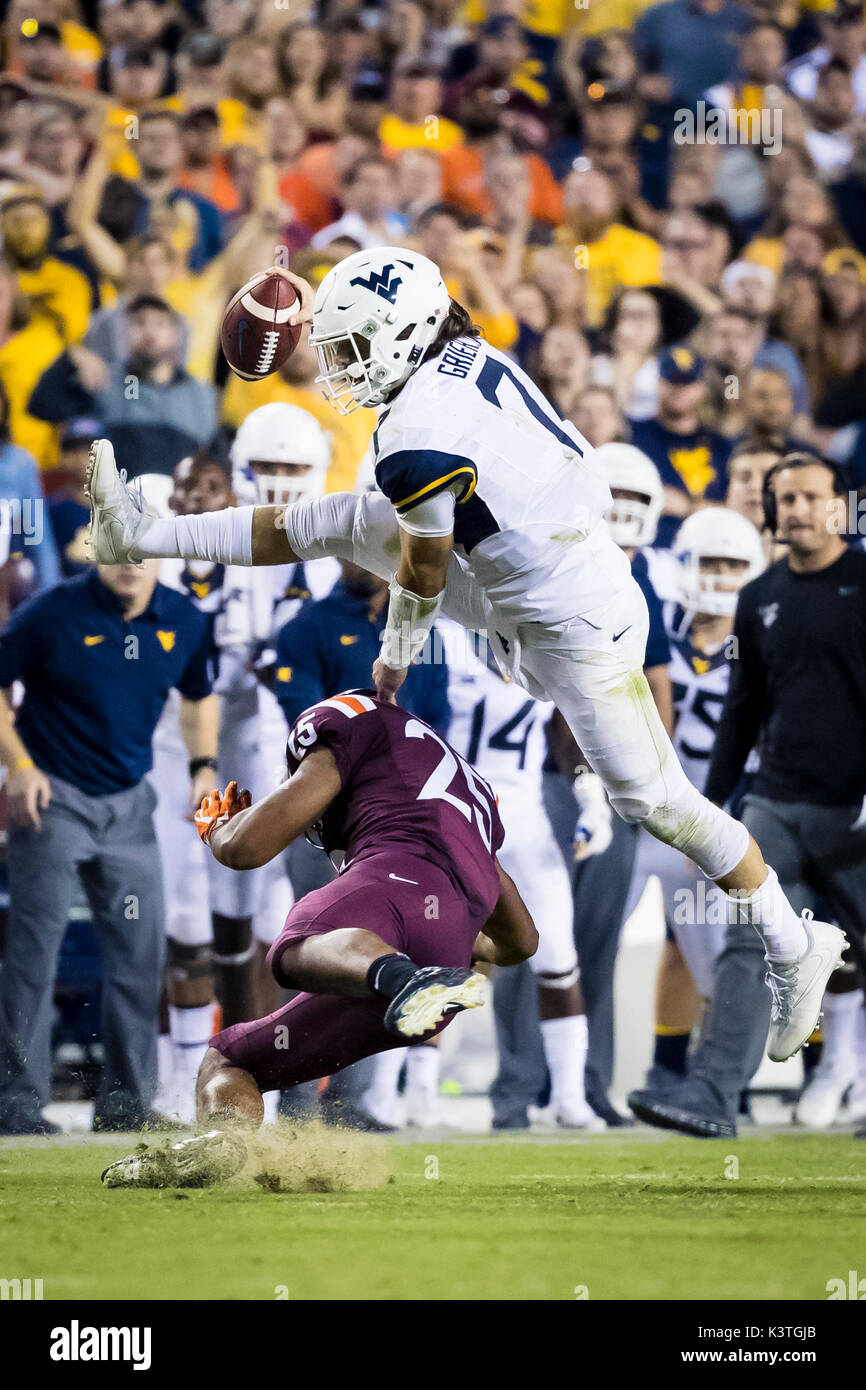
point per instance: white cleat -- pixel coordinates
(119, 514)
(821, 1101)
(579, 1115)
(198, 1162)
(798, 987)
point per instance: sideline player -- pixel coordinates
(383, 954)
(492, 491)
(717, 552)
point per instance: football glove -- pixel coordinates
(594, 831)
(217, 808)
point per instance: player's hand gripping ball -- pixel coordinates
(217, 808)
(262, 324)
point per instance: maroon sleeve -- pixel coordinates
(341, 724)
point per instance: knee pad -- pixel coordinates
(186, 963)
(562, 980)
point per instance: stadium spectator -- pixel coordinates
(160, 154)
(154, 412)
(687, 47)
(610, 253)
(28, 346)
(413, 119)
(81, 807)
(690, 457)
(56, 291)
(370, 219)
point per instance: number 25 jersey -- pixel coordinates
(528, 490)
(403, 787)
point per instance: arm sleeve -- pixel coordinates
(742, 715)
(195, 683)
(299, 679)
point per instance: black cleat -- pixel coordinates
(431, 994)
(606, 1111)
(664, 1113)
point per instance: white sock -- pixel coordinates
(565, 1043)
(225, 537)
(839, 1030)
(380, 1097)
(191, 1031)
(164, 1060)
(774, 919)
(422, 1084)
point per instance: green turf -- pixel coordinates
(638, 1216)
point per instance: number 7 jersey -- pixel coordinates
(527, 486)
(402, 787)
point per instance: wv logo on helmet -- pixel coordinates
(380, 282)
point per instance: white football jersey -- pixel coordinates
(700, 684)
(527, 486)
(495, 726)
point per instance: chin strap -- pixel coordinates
(410, 619)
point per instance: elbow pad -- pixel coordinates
(410, 619)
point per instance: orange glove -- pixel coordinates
(218, 808)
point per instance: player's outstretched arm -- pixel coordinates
(509, 935)
(245, 836)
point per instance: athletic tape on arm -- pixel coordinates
(410, 619)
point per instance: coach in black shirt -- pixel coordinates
(797, 695)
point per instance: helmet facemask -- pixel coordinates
(632, 518)
(277, 488)
(708, 591)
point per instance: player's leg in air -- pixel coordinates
(383, 955)
(558, 592)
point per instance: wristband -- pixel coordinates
(21, 763)
(196, 765)
(410, 619)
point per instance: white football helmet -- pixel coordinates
(374, 316)
(716, 533)
(280, 434)
(156, 489)
(633, 521)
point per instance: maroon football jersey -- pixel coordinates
(404, 786)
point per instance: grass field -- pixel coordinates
(637, 1216)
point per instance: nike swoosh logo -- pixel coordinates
(93, 641)
(348, 641)
(404, 880)
(617, 635)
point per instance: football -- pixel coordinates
(256, 335)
